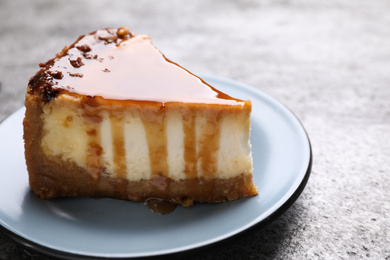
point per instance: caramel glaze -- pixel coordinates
(114, 71)
(91, 120)
(190, 155)
(118, 139)
(104, 64)
(155, 129)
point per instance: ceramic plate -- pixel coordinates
(111, 228)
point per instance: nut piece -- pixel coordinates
(76, 63)
(122, 31)
(84, 48)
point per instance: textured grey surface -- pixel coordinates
(328, 61)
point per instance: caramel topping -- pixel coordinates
(209, 145)
(118, 141)
(190, 155)
(116, 65)
(122, 32)
(154, 123)
(92, 122)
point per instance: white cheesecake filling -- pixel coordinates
(65, 135)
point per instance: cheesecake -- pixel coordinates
(111, 117)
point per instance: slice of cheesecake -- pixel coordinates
(110, 116)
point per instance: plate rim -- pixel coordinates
(257, 224)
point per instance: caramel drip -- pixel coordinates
(118, 142)
(155, 129)
(209, 145)
(94, 145)
(92, 122)
(190, 155)
(93, 159)
(160, 206)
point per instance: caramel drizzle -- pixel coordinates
(94, 146)
(155, 129)
(190, 156)
(119, 151)
(209, 145)
(198, 163)
(92, 122)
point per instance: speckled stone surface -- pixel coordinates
(328, 61)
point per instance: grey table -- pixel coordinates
(328, 61)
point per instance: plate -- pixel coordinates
(86, 227)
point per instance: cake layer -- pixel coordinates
(176, 142)
(54, 175)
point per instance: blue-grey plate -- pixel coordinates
(86, 227)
